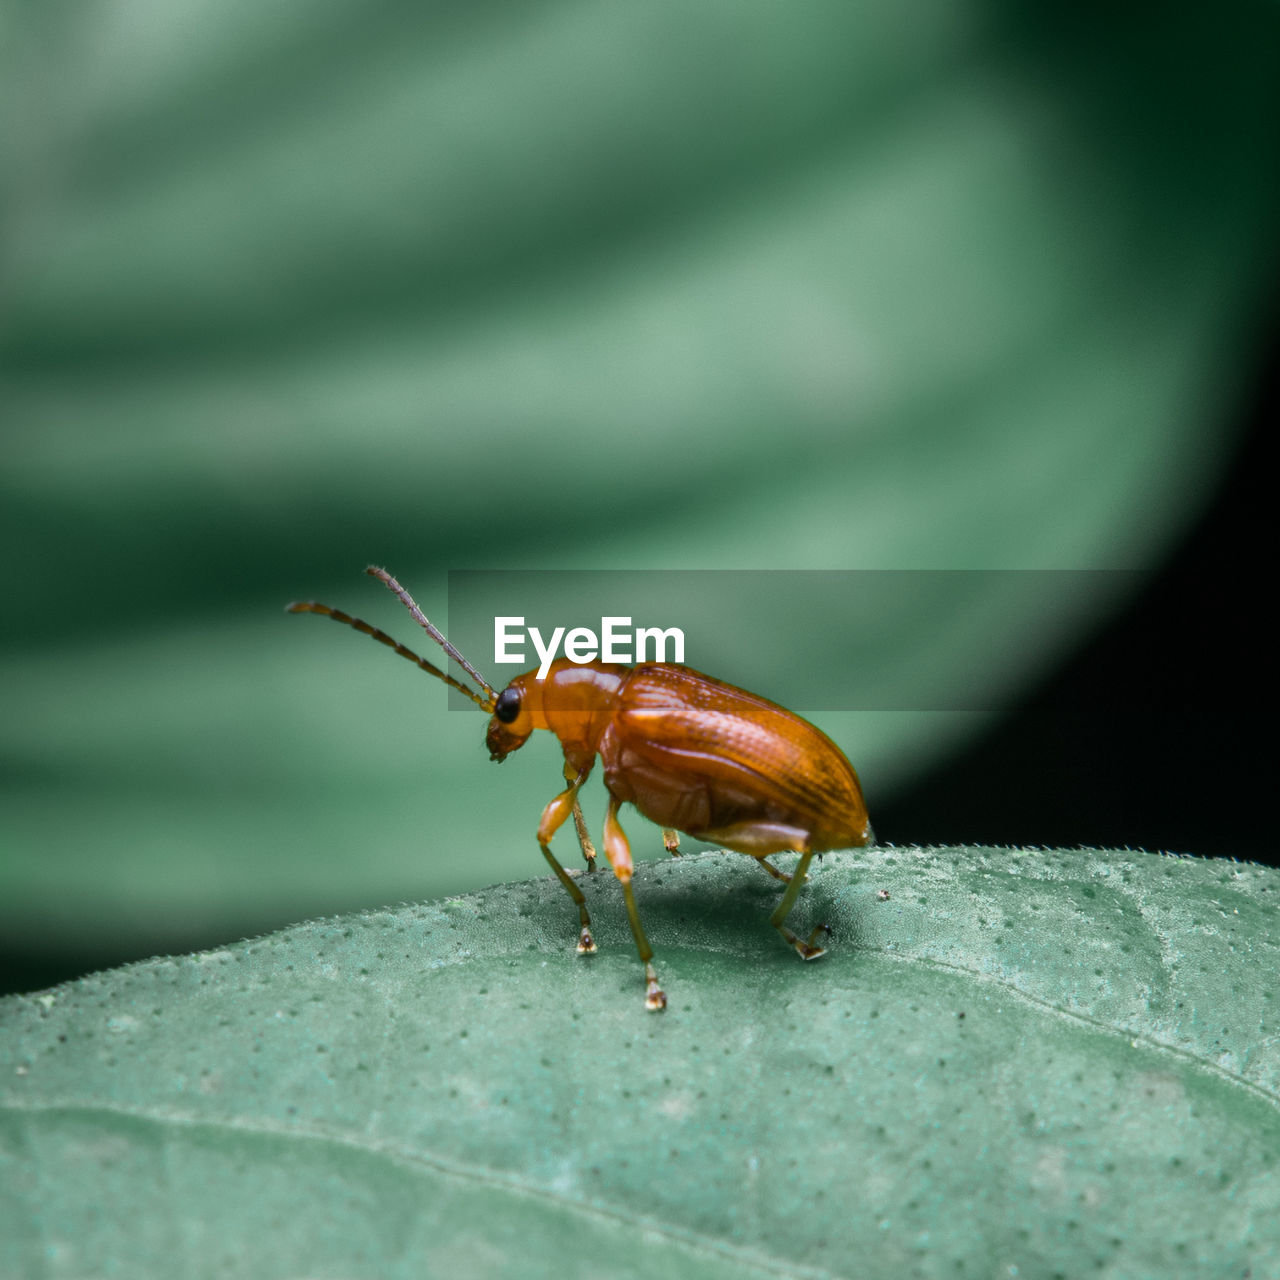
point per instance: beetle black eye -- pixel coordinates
(508, 705)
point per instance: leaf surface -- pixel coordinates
(1052, 1060)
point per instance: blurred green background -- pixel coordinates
(288, 289)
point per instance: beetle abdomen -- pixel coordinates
(707, 758)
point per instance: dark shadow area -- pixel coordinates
(1159, 733)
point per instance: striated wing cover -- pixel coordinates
(734, 755)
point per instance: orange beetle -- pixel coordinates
(693, 754)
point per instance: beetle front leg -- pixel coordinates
(618, 851)
(671, 841)
(806, 950)
(553, 816)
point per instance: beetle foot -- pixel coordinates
(808, 950)
(586, 943)
(654, 996)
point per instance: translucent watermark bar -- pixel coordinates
(838, 640)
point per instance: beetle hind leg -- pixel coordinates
(584, 836)
(773, 871)
(575, 778)
(806, 950)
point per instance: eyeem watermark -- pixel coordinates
(614, 643)
(810, 639)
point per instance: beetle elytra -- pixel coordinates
(691, 753)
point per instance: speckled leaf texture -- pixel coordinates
(1010, 1062)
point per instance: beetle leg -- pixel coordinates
(553, 817)
(572, 776)
(618, 851)
(805, 950)
(584, 836)
(773, 871)
(671, 841)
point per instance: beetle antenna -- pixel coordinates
(314, 606)
(433, 631)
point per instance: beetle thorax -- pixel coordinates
(576, 702)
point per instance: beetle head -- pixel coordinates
(512, 720)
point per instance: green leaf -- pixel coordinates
(1056, 1061)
